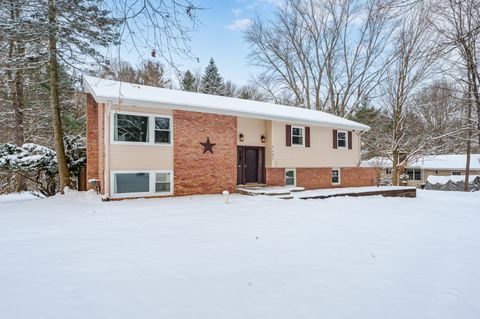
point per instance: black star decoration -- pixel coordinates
(208, 147)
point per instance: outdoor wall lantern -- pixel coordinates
(263, 138)
(240, 137)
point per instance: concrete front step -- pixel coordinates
(269, 191)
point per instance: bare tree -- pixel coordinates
(412, 64)
(329, 55)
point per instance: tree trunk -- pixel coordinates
(395, 168)
(469, 133)
(16, 51)
(63, 172)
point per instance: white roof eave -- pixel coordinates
(302, 118)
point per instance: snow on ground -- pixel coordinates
(16, 197)
(73, 256)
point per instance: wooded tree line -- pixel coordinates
(409, 69)
(44, 47)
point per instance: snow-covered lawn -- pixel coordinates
(258, 257)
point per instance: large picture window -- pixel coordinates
(297, 135)
(138, 128)
(130, 128)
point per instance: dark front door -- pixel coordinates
(250, 165)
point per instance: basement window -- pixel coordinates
(335, 176)
(162, 182)
(456, 173)
(141, 184)
(131, 183)
(290, 177)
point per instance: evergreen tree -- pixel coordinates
(212, 82)
(189, 82)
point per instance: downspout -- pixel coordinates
(106, 140)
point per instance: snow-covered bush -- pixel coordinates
(38, 164)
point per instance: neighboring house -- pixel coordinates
(145, 141)
(431, 165)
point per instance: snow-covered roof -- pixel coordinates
(432, 179)
(437, 162)
(105, 91)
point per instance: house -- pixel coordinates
(431, 165)
(145, 142)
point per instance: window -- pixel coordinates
(162, 130)
(131, 183)
(456, 173)
(290, 177)
(162, 182)
(342, 139)
(388, 171)
(130, 128)
(335, 176)
(297, 135)
(414, 174)
(136, 184)
(140, 128)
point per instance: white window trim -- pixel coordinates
(414, 170)
(151, 184)
(303, 136)
(346, 140)
(151, 128)
(294, 176)
(339, 176)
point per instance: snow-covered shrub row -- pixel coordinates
(38, 164)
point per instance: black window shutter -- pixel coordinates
(334, 138)
(307, 136)
(349, 140)
(288, 135)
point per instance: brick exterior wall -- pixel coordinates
(359, 176)
(275, 176)
(196, 172)
(95, 144)
(312, 178)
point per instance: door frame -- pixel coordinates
(241, 164)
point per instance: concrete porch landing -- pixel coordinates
(268, 190)
(290, 192)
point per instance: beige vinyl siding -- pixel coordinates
(140, 157)
(269, 145)
(320, 153)
(252, 130)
